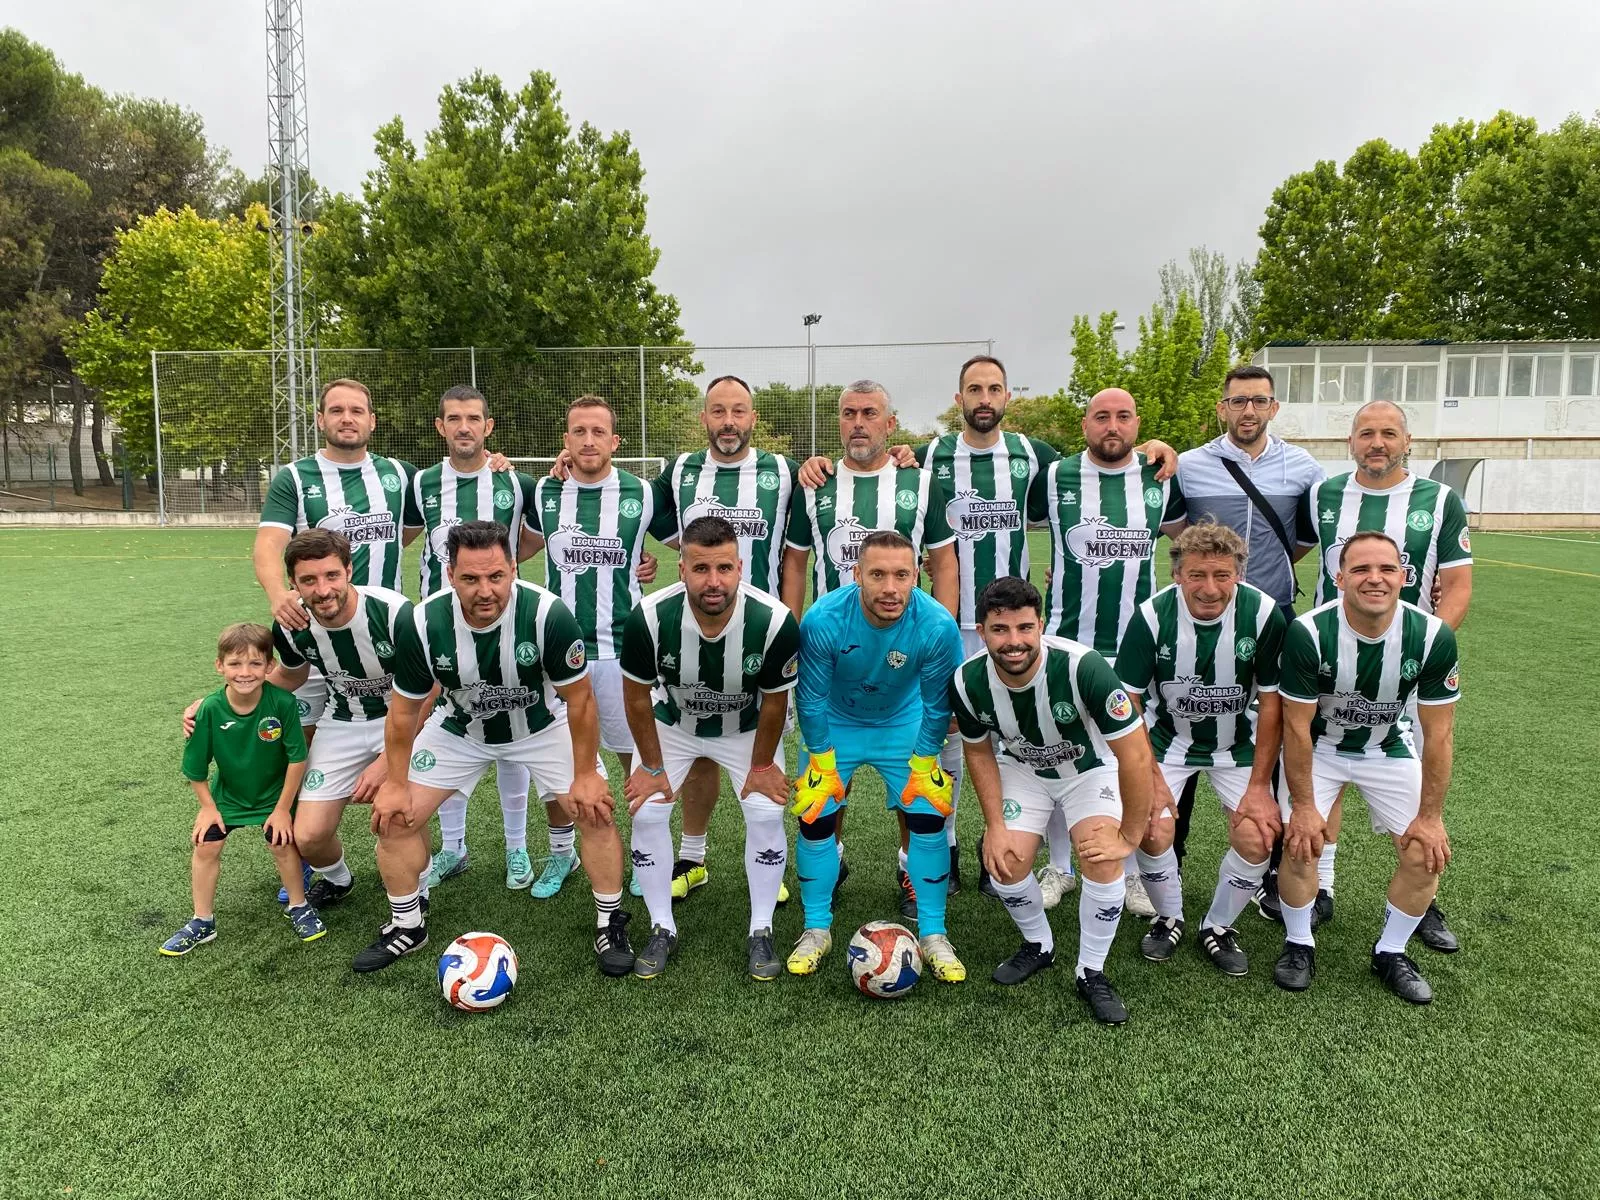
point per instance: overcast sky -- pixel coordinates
(912, 171)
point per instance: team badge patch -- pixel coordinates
(383, 649)
(575, 654)
(1019, 468)
(752, 664)
(905, 501)
(391, 483)
(895, 659)
(767, 481)
(630, 508)
(304, 707)
(1152, 497)
(1410, 668)
(1452, 681)
(423, 760)
(1465, 542)
(312, 781)
(526, 654)
(502, 498)
(269, 729)
(792, 667)
(1245, 649)
(1420, 520)
(1011, 810)
(1062, 711)
(1118, 706)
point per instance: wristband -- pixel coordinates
(652, 770)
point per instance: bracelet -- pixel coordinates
(652, 770)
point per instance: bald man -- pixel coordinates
(1104, 509)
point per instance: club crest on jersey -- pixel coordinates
(383, 649)
(1118, 706)
(574, 551)
(630, 508)
(1098, 543)
(1452, 681)
(1420, 520)
(1019, 468)
(423, 760)
(313, 780)
(502, 498)
(391, 483)
(1410, 669)
(1464, 542)
(752, 664)
(575, 654)
(1152, 497)
(844, 543)
(1245, 649)
(1011, 809)
(971, 517)
(303, 705)
(526, 654)
(895, 659)
(906, 501)
(1063, 711)
(748, 523)
(792, 667)
(269, 729)
(767, 481)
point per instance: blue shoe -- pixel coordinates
(305, 882)
(308, 927)
(635, 888)
(556, 869)
(446, 864)
(195, 933)
(519, 870)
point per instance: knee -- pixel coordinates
(924, 823)
(823, 828)
(1413, 859)
(1248, 842)
(652, 815)
(208, 851)
(758, 810)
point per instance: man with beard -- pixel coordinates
(1073, 745)
(1104, 509)
(722, 657)
(1350, 669)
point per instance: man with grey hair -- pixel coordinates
(866, 492)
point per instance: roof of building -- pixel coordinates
(1290, 343)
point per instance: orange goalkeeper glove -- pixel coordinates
(928, 782)
(817, 784)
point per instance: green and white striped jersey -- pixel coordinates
(499, 682)
(1200, 679)
(1058, 725)
(834, 519)
(711, 686)
(365, 501)
(1425, 518)
(988, 505)
(593, 540)
(441, 496)
(753, 495)
(356, 659)
(1361, 685)
(1103, 529)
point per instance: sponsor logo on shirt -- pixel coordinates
(1192, 700)
(1355, 711)
(354, 687)
(227, 725)
(844, 543)
(269, 729)
(748, 523)
(360, 528)
(702, 701)
(574, 551)
(971, 517)
(487, 699)
(1098, 543)
(1043, 758)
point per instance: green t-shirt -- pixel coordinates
(440, 496)
(252, 752)
(834, 519)
(365, 501)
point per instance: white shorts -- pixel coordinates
(1392, 787)
(679, 749)
(1228, 782)
(1029, 800)
(339, 753)
(455, 764)
(312, 698)
(605, 675)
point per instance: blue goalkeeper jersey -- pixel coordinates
(855, 674)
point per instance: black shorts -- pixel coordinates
(214, 834)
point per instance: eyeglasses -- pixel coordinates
(1240, 403)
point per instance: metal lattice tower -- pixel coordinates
(288, 175)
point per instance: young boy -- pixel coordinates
(251, 731)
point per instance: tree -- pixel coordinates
(1206, 280)
(1098, 361)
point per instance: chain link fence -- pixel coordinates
(217, 428)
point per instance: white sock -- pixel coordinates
(902, 854)
(950, 763)
(1099, 914)
(336, 873)
(1325, 867)
(766, 853)
(652, 861)
(1025, 904)
(453, 823)
(692, 846)
(1237, 881)
(1297, 922)
(1397, 930)
(422, 882)
(840, 844)
(1058, 835)
(1160, 875)
(563, 839)
(605, 903)
(405, 911)
(513, 807)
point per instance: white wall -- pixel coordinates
(1541, 485)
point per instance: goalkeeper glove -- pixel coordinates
(817, 784)
(928, 782)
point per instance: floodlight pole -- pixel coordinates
(811, 319)
(287, 166)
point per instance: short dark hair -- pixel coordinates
(354, 385)
(708, 532)
(477, 535)
(1369, 535)
(464, 391)
(590, 400)
(242, 636)
(1248, 371)
(975, 360)
(311, 544)
(730, 379)
(884, 539)
(1009, 593)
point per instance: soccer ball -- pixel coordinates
(477, 971)
(885, 960)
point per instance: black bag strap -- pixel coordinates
(1267, 511)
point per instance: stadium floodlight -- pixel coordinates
(811, 319)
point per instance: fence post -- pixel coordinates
(50, 468)
(472, 365)
(644, 436)
(127, 478)
(161, 475)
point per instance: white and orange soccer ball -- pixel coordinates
(885, 960)
(477, 971)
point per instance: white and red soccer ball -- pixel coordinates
(477, 971)
(885, 960)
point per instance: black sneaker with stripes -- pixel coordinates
(1221, 946)
(611, 946)
(394, 943)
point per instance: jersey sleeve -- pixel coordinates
(294, 734)
(1305, 517)
(282, 506)
(1440, 679)
(638, 655)
(528, 487)
(815, 676)
(936, 529)
(922, 454)
(1177, 507)
(972, 730)
(1297, 675)
(798, 533)
(411, 515)
(564, 659)
(940, 662)
(1455, 543)
(1044, 452)
(413, 676)
(664, 525)
(1269, 651)
(288, 653)
(1039, 498)
(197, 750)
(780, 668)
(1108, 705)
(1136, 656)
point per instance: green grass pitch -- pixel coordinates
(258, 1067)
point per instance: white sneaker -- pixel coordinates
(1137, 901)
(1056, 883)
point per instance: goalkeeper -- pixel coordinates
(876, 660)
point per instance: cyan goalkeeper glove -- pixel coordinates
(928, 782)
(817, 784)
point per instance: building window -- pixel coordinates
(1582, 383)
(1386, 383)
(1519, 375)
(1458, 376)
(1533, 375)
(1547, 381)
(1342, 385)
(1486, 376)
(1422, 384)
(1297, 386)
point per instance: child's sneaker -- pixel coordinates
(308, 926)
(305, 882)
(196, 933)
